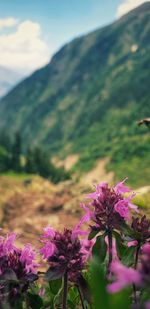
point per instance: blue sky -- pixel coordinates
(32, 30)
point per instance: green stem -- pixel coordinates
(65, 290)
(81, 297)
(135, 267)
(110, 256)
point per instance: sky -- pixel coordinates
(31, 31)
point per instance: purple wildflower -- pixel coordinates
(109, 208)
(132, 243)
(147, 305)
(144, 267)
(125, 276)
(17, 265)
(121, 188)
(142, 228)
(66, 253)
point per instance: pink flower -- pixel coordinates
(132, 243)
(124, 276)
(121, 188)
(48, 232)
(110, 207)
(86, 248)
(77, 231)
(142, 226)
(19, 262)
(122, 208)
(7, 245)
(147, 305)
(98, 192)
(27, 257)
(146, 249)
(48, 249)
(65, 252)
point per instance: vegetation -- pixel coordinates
(35, 161)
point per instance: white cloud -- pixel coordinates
(24, 49)
(8, 22)
(128, 5)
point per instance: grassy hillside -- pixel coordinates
(88, 98)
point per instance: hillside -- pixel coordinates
(88, 98)
(8, 79)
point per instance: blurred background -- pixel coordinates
(74, 106)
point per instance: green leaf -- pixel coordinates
(55, 286)
(71, 304)
(128, 231)
(18, 303)
(35, 301)
(129, 256)
(98, 286)
(100, 248)
(9, 276)
(125, 254)
(73, 294)
(120, 300)
(53, 274)
(84, 289)
(92, 234)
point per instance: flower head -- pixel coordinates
(144, 267)
(17, 265)
(65, 252)
(109, 207)
(124, 276)
(142, 227)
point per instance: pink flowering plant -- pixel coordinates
(18, 270)
(67, 256)
(103, 262)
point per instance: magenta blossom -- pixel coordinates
(17, 265)
(142, 228)
(144, 266)
(140, 231)
(109, 207)
(147, 305)
(121, 187)
(124, 277)
(65, 253)
(132, 243)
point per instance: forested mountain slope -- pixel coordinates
(88, 98)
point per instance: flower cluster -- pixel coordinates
(109, 207)
(144, 266)
(142, 227)
(124, 276)
(18, 267)
(65, 253)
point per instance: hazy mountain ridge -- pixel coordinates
(8, 79)
(88, 98)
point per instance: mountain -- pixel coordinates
(88, 99)
(8, 79)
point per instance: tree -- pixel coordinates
(16, 153)
(38, 162)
